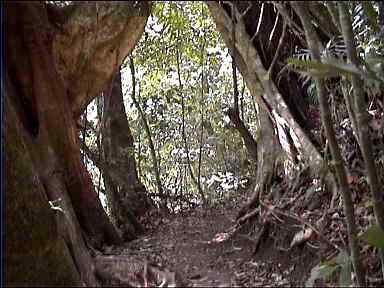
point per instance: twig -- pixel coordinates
(341, 238)
(311, 245)
(260, 236)
(304, 223)
(283, 11)
(274, 214)
(242, 15)
(259, 22)
(247, 216)
(278, 49)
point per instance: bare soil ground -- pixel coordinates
(192, 245)
(201, 248)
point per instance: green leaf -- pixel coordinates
(82, 59)
(141, 157)
(374, 236)
(344, 261)
(325, 269)
(342, 258)
(375, 63)
(345, 279)
(371, 13)
(331, 67)
(321, 271)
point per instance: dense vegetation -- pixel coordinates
(180, 42)
(271, 110)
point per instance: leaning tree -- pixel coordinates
(260, 40)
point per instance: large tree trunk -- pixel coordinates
(94, 39)
(32, 234)
(43, 115)
(249, 141)
(254, 55)
(127, 196)
(257, 56)
(47, 118)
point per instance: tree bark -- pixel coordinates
(44, 101)
(92, 43)
(249, 141)
(126, 195)
(361, 124)
(326, 118)
(234, 112)
(47, 118)
(253, 60)
(204, 90)
(266, 150)
(32, 236)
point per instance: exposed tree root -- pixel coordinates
(127, 271)
(276, 210)
(261, 235)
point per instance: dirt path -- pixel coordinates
(185, 244)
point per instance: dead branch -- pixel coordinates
(297, 218)
(247, 216)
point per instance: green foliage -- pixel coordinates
(129, 151)
(330, 67)
(82, 59)
(187, 28)
(374, 236)
(371, 13)
(371, 70)
(325, 270)
(366, 27)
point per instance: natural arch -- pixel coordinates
(58, 62)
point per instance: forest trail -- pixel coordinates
(190, 245)
(186, 243)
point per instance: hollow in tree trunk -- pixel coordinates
(41, 104)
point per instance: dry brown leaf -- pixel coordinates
(301, 237)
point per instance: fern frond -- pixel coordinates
(330, 67)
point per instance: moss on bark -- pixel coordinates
(35, 253)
